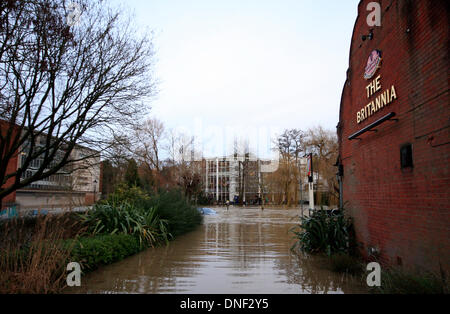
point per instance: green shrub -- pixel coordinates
(103, 249)
(125, 194)
(173, 207)
(324, 232)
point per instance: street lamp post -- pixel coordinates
(300, 184)
(311, 182)
(95, 190)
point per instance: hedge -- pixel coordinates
(100, 250)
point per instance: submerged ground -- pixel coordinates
(240, 251)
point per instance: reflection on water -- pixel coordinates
(237, 251)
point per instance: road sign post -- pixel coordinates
(311, 182)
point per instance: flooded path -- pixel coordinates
(240, 251)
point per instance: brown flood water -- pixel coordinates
(240, 251)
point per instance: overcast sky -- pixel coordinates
(251, 68)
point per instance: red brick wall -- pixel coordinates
(404, 213)
(100, 185)
(11, 167)
(89, 198)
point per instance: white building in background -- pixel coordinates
(227, 178)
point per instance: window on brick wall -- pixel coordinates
(406, 156)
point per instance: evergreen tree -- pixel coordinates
(131, 174)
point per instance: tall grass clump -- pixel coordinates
(324, 232)
(118, 216)
(32, 259)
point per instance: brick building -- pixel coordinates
(73, 186)
(394, 134)
(11, 166)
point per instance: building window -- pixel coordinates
(406, 157)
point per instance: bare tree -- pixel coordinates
(180, 150)
(324, 146)
(188, 168)
(149, 140)
(148, 144)
(291, 146)
(171, 146)
(63, 86)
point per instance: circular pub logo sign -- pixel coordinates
(372, 64)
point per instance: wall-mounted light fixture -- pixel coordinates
(373, 251)
(370, 36)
